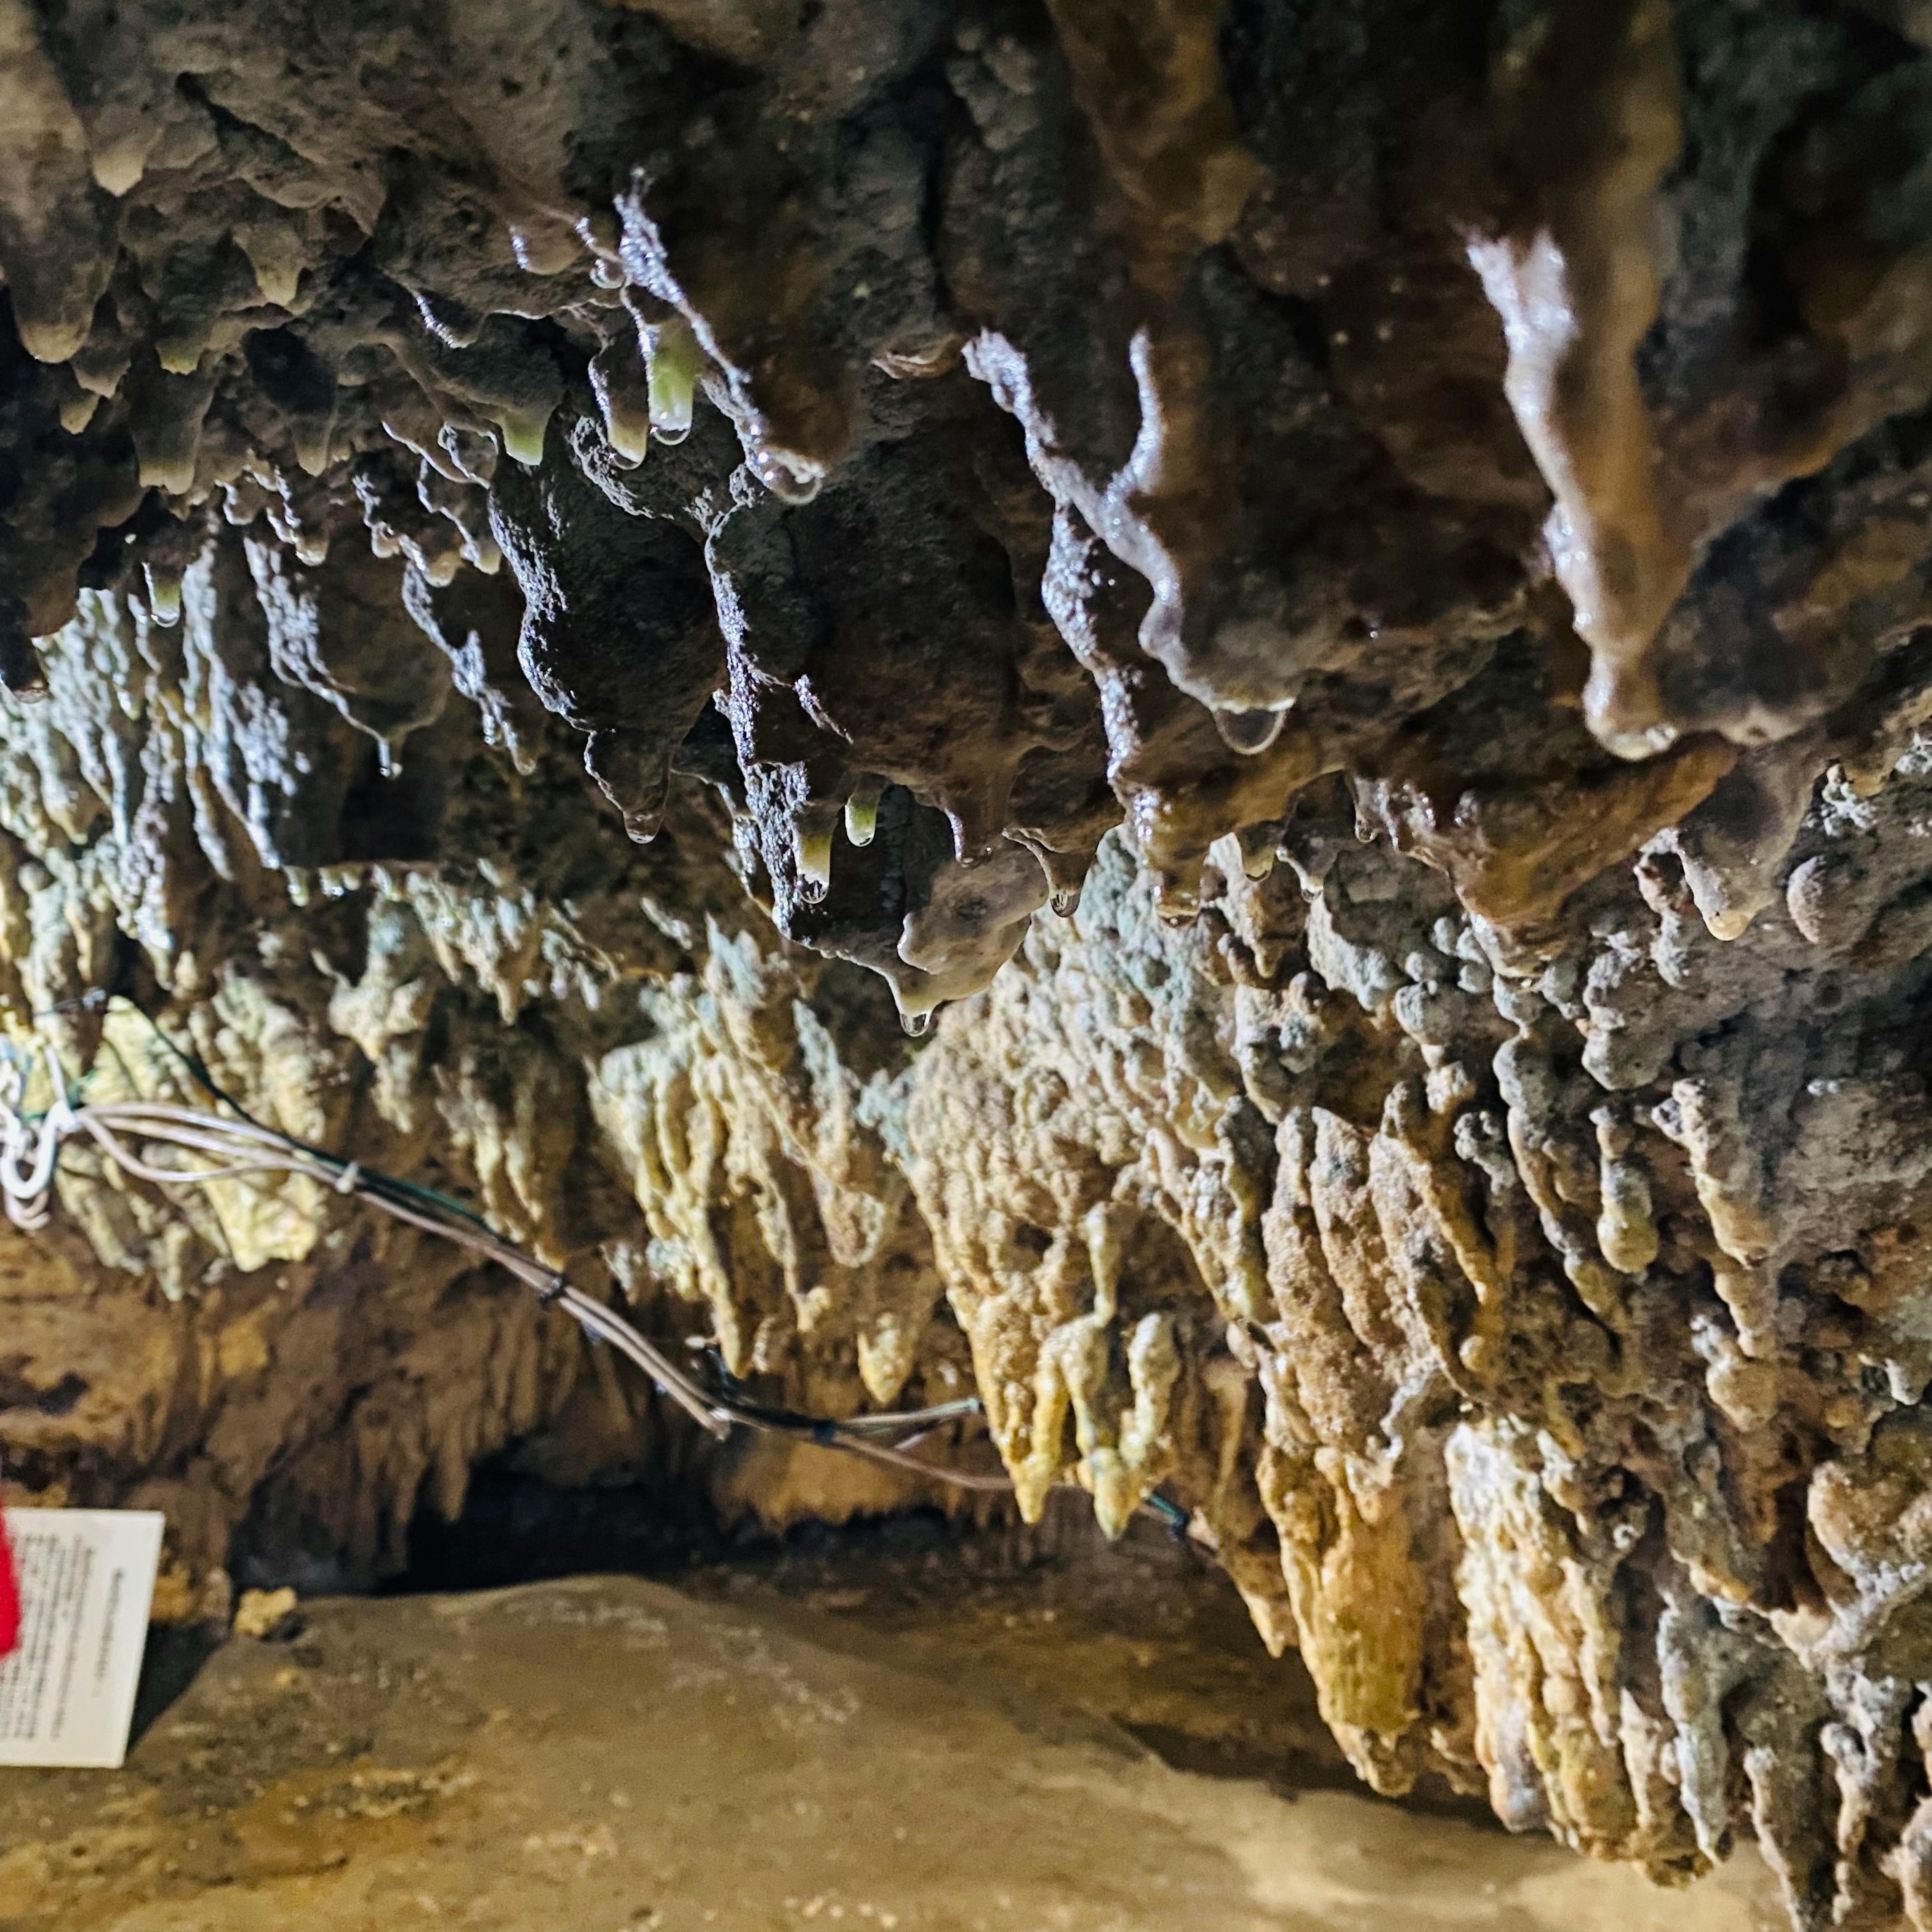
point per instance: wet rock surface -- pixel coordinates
(1213, 720)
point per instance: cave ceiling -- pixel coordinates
(1214, 718)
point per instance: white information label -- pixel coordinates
(87, 1582)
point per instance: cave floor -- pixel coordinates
(877, 1736)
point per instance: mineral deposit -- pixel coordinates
(1215, 717)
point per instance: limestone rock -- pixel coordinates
(1325, 602)
(596, 1748)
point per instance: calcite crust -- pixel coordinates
(1214, 717)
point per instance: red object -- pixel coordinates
(10, 1596)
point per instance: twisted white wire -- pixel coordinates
(30, 1150)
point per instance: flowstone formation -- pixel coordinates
(1338, 589)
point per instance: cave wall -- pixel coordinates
(1215, 719)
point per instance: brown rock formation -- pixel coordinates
(1405, 525)
(590, 1750)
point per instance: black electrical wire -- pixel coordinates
(246, 1146)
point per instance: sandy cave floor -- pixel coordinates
(901, 1731)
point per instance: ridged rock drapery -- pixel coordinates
(1254, 709)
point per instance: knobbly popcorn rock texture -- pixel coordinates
(1218, 718)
